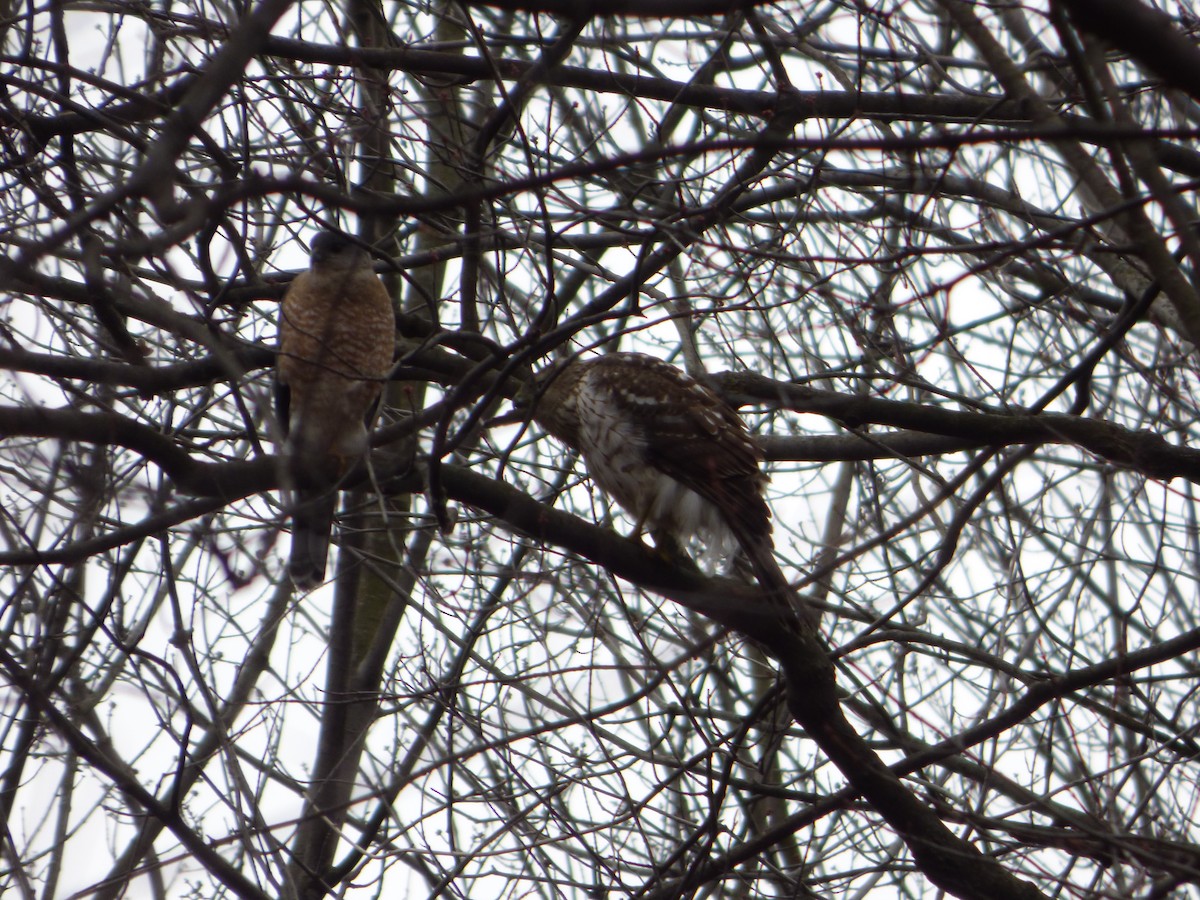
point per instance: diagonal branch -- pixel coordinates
(948, 861)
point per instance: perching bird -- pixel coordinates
(336, 341)
(677, 457)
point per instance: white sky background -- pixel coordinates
(1019, 601)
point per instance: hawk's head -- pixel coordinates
(333, 250)
(549, 397)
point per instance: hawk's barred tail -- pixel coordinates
(784, 604)
(312, 524)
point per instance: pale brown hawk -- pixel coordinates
(336, 340)
(677, 457)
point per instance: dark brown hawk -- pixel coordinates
(677, 457)
(336, 340)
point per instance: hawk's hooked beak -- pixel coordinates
(521, 410)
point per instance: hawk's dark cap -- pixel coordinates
(330, 243)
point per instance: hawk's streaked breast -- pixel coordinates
(675, 455)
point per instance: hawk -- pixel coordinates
(336, 340)
(677, 457)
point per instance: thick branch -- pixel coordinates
(226, 480)
(1142, 451)
(1148, 35)
(148, 379)
(948, 861)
